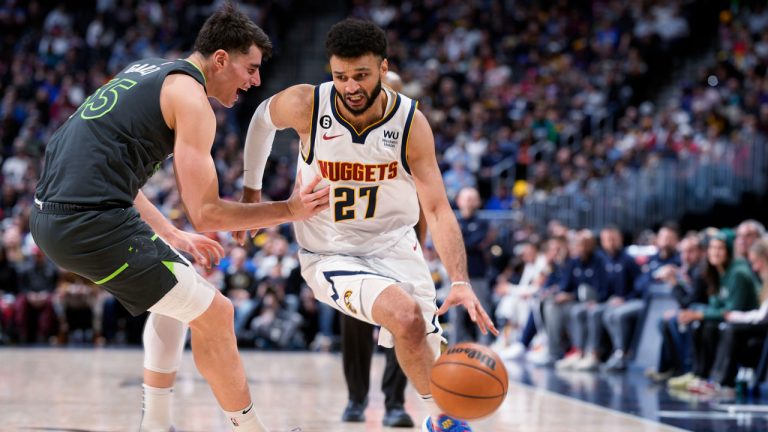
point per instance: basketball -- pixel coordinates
(469, 381)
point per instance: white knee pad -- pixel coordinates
(163, 343)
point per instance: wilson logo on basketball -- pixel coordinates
(475, 355)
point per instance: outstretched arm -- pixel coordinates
(291, 108)
(206, 251)
(442, 223)
(187, 111)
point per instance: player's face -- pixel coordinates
(239, 72)
(358, 81)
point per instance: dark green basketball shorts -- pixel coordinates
(113, 247)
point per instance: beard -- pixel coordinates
(369, 100)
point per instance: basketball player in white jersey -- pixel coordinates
(376, 151)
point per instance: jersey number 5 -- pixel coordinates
(104, 99)
(344, 205)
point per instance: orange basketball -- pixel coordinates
(469, 381)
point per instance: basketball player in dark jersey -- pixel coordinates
(91, 218)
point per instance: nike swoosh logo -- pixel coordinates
(326, 137)
(245, 411)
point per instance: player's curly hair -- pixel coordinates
(231, 30)
(353, 38)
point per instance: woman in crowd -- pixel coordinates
(742, 339)
(730, 287)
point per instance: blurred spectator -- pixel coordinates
(240, 287)
(9, 287)
(730, 287)
(34, 314)
(581, 299)
(513, 294)
(626, 304)
(742, 340)
(666, 244)
(476, 233)
(583, 283)
(690, 290)
(747, 233)
(79, 305)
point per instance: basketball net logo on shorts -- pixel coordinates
(347, 303)
(475, 355)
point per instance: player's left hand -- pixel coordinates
(207, 252)
(463, 294)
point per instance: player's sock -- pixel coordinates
(245, 420)
(433, 409)
(157, 406)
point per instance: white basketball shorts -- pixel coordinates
(351, 284)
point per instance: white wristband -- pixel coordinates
(258, 145)
(461, 283)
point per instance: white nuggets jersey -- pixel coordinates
(373, 196)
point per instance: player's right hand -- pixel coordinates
(305, 202)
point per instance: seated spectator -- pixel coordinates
(666, 245)
(586, 278)
(730, 287)
(79, 305)
(34, 314)
(690, 290)
(513, 305)
(240, 287)
(741, 341)
(548, 282)
(9, 287)
(582, 285)
(626, 304)
(747, 233)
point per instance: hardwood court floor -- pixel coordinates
(99, 390)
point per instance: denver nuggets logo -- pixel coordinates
(347, 303)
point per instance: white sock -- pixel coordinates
(157, 406)
(434, 410)
(245, 420)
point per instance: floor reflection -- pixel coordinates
(631, 392)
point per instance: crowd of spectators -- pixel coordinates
(561, 88)
(555, 86)
(572, 303)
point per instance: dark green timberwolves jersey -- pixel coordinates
(105, 152)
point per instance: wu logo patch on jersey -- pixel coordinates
(390, 138)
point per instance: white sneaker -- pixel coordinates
(587, 363)
(513, 352)
(539, 357)
(500, 344)
(568, 363)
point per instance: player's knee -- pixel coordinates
(219, 316)
(409, 322)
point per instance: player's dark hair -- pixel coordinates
(354, 38)
(231, 30)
